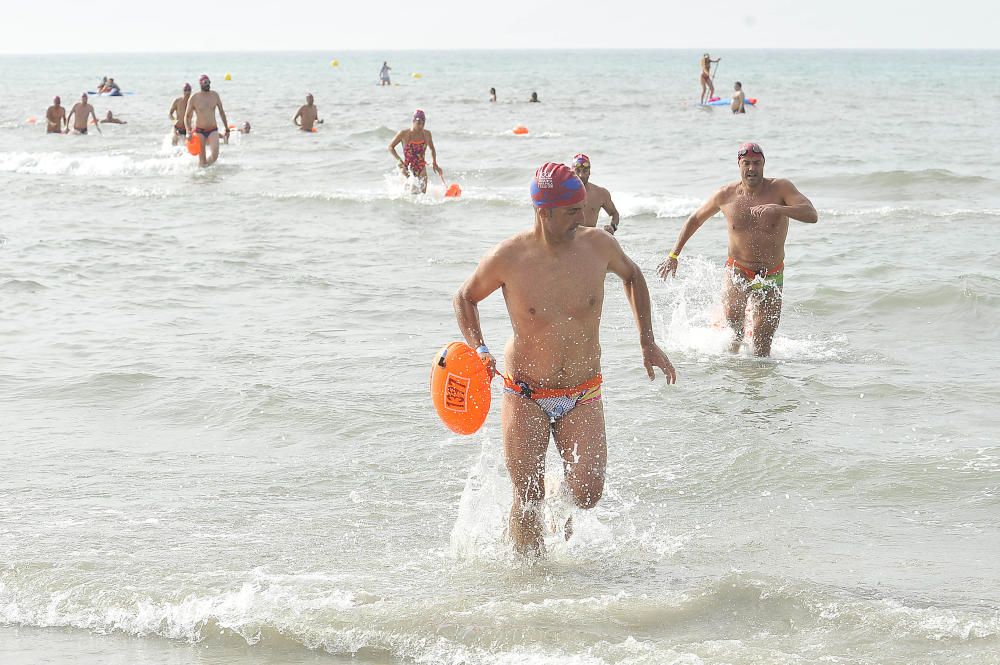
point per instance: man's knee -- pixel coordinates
(586, 495)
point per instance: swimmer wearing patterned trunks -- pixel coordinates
(757, 210)
(556, 403)
(552, 276)
(416, 140)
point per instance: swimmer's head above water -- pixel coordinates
(187, 87)
(56, 100)
(750, 157)
(581, 167)
(558, 195)
(419, 117)
(205, 83)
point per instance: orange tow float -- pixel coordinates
(460, 388)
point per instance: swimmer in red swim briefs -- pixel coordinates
(553, 276)
(757, 210)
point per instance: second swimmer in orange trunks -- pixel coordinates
(757, 211)
(553, 275)
(416, 140)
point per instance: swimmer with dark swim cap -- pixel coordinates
(598, 198)
(757, 210)
(553, 277)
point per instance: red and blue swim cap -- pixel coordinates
(581, 160)
(555, 186)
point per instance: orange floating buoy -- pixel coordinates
(32, 120)
(453, 190)
(194, 144)
(520, 129)
(313, 130)
(460, 388)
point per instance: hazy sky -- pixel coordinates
(60, 26)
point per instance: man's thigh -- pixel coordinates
(583, 446)
(525, 440)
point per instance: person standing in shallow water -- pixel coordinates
(598, 198)
(757, 210)
(177, 111)
(383, 74)
(81, 112)
(553, 276)
(534, 98)
(204, 104)
(493, 94)
(307, 117)
(55, 118)
(416, 140)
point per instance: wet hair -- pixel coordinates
(493, 91)
(739, 85)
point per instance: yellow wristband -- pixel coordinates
(673, 256)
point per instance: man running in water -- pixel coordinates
(204, 104)
(706, 77)
(415, 142)
(552, 276)
(598, 198)
(757, 211)
(177, 111)
(308, 114)
(55, 118)
(81, 112)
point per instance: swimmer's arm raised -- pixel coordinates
(637, 294)
(693, 223)
(795, 205)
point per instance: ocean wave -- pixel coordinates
(756, 614)
(56, 163)
(900, 177)
(909, 212)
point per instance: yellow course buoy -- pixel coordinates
(229, 77)
(335, 63)
(417, 75)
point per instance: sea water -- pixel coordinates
(216, 439)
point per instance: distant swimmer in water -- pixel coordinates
(534, 98)
(553, 277)
(493, 94)
(204, 104)
(308, 114)
(738, 104)
(757, 210)
(81, 113)
(245, 129)
(706, 77)
(598, 198)
(383, 74)
(111, 119)
(177, 111)
(415, 142)
(55, 118)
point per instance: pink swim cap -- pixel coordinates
(748, 148)
(203, 78)
(419, 115)
(555, 186)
